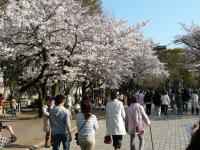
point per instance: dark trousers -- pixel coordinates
(185, 106)
(48, 139)
(148, 109)
(179, 109)
(164, 108)
(197, 110)
(117, 141)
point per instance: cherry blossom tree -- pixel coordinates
(57, 39)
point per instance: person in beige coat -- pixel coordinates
(46, 125)
(115, 116)
(13, 105)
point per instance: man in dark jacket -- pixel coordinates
(185, 100)
(148, 101)
(157, 102)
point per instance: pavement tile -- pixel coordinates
(168, 133)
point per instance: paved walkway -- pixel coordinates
(168, 133)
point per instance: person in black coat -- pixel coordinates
(148, 102)
(185, 100)
(157, 102)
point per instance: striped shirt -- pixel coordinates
(88, 130)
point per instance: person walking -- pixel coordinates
(141, 98)
(195, 103)
(135, 115)
(178, 102)
(2, 105)
(148, 102)
(185, 100)
(165, 102)
(115, 116)
(46, 125)
(89, 124)
(172, 100)
(68, 103)
(77, 108)
(13, 105)
(106, 100)
(157, 102)
(60, 124)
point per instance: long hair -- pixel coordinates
(86, 109)
(195, 144)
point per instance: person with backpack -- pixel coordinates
(13, 105)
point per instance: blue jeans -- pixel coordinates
(13, 112)
(58, 138)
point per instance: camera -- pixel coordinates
(3, 127)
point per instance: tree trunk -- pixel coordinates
(55, 89)
(41, 98)
(83, 90)
(12, 90)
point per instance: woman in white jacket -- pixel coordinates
(165, 102)
(115, 116)
(195, 102)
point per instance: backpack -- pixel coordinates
(13, 104)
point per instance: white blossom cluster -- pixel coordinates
(192, 42)
(62, 42)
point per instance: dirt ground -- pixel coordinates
(29, 129)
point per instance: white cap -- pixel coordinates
(191, 128)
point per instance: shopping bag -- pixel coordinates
(107, 139)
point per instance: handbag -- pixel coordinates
(107, 139)
(139, 127)
(76, 134)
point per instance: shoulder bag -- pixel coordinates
(76, 135)
(139, 127)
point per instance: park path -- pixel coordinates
(168, 132)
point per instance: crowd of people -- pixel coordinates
(178, 100)
(118, 121)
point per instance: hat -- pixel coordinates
(191, 128)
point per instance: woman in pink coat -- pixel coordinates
(135, 115)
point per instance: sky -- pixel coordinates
(164, 16)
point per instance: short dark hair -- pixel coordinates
(113, 95)
(195, 92)
(59, 99)
(47, 98)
